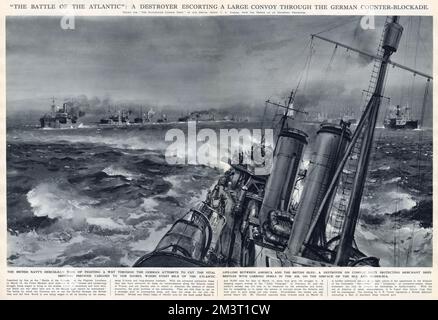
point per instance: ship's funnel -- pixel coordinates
(287, 157)
(330, 145)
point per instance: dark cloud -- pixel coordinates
(196, 62)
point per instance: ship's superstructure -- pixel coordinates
(256, 220)
(203, 115)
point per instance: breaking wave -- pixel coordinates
(104, 197)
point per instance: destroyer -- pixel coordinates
(400, 119)
(249, 219)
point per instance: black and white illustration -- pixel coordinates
(221, 141)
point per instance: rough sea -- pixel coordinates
(103, 197)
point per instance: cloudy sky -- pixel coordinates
(200, 62)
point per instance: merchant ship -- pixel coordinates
(59, 117)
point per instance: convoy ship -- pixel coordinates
(59, 117)
(202, 115)
(400, 119)
(255, 220)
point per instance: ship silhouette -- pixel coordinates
(59, 117)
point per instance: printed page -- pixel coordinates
(217, 150)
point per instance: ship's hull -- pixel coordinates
(394, 124)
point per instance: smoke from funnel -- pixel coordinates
(365, 40)
(82, 105)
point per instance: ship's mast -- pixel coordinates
(288, 108)
(53, 106)
(392, 36)
(357, 156)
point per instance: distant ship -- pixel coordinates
(144, 117)
(119, 117)
(349, 115)
(202, 115)
(400, 120)
(59, 117)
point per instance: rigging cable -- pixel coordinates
(306, 67)
(339, 25)
(309, 45)
(304, 73)
(336, 98)
(397, 230)
(296, 58)
(327, 73)
(415, 62)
